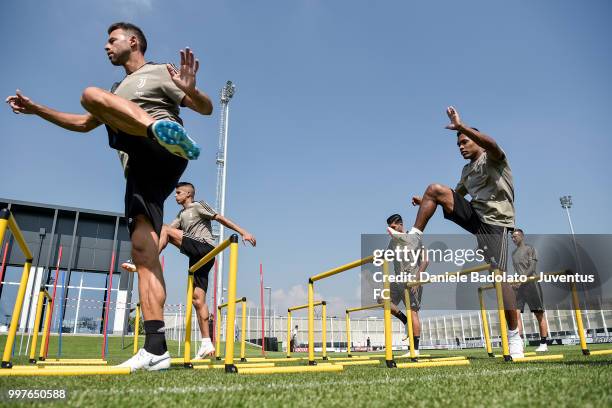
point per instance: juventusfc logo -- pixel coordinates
(141, 82)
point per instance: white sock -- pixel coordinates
(414, 230)
(206, 340)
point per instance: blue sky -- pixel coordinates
(338, 117)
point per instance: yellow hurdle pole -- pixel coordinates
(485, 323)
(387, 313)
(311, 357)
(231, 306)
(39, 307)
(413, 355)
(288, 333)
(503, 328)
(305, 306)
(243, 332)
(324, 329)
(136, 327)
(348, 334)
(18, 236)
(209, 256)
(10, 340)
(342, 268)
(188, 313)
(43, 342)
(579, 325)
(218, 333)
(3, 224)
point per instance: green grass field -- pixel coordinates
(574, 381)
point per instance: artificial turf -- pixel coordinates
(574, 381)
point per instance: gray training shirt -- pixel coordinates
(151, 88)
(195, 222)
(525, 259)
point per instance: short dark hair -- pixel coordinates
(394, 218)
(473, 128)
(132, 30)
(519, 230)
(185, 184)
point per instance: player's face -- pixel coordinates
(181, 194)
(468, 149)
(397, 226)
(118, 47)
(517, 238)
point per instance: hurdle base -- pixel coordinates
(312, 363)
(41, 358)
(391, 363)
(7, 364)
(491, 355)
(507, 358)
(243, 360)
(349, 355)
(600, 352)
(187, 365)
(230, 368)
(325, 358)
(414, 359)
(586, 352)
(550, 357)
(32, 361)
(218, 358)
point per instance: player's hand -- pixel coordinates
(20, 103)
(185, 76)
(249, 238)
(453, 115)
(416, 200)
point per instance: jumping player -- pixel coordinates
(191, 232)
(525, 261)
(398, 233)
(487, 178)
(141, 116)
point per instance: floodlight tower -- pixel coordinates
(566, 204)
(227, 92)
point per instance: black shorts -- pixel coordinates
(399, 296)
(492, 239)
(151, 176)
(530, 293)
(196, 250)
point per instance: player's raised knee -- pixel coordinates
(92, 96)
(435, 190)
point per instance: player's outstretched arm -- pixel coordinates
(246, 235)
(185, 79)
(482, 140)
(21, 104)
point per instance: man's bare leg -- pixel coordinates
(199, 303)
(170, 235)
(115, 111)
(543, 325)
(416, 323)
(435, 194)
(151, 285)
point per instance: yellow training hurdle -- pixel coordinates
(323, 305)
(575, 304)
(220, 308)
(232, 244)
(348, 322)
(8, 221)
(55, 368)
(386, 306)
